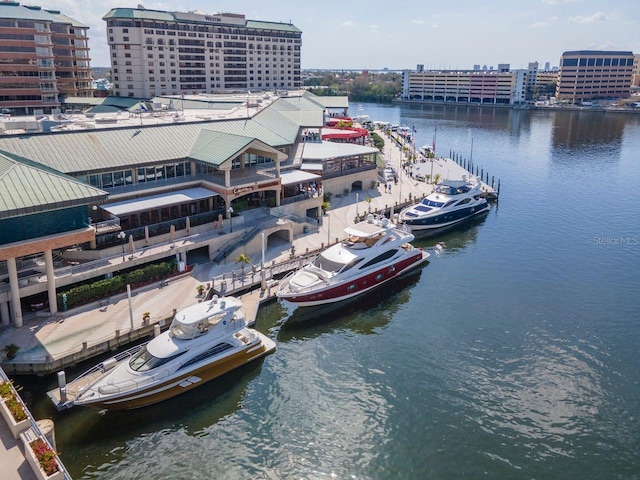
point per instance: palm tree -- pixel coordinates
(244, 259)
(368, 200)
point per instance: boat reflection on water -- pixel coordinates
(380, 305)
(454, 238)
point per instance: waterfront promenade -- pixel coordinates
(46, 339)
(43, 340)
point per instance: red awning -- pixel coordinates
(346, 133)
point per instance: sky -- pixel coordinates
(376, 34)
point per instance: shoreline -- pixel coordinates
(574, 108)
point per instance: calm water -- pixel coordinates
(513, 354)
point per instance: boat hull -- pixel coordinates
(442, 220)
(178, 384)
(352, 287)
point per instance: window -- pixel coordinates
(380, 258)
(143, 360)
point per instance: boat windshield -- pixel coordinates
(186, 331)
(326, 264)
(143, 361)
(432, 203)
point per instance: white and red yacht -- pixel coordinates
(375, 252)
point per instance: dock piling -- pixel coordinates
(62, 386)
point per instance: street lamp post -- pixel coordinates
(230, 219)
(122, 236)
(95, 218)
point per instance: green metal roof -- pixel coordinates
(78, 152)
(133, 13)
(26, 187)
(103, 109)
(287, 115)
(62, 18)
(92, 151)
(15, 11)
(250, 128)
(83, 100)
(306, 118)
(287, 27)
(216, 147)
(334, 102)
(121, 102)
(163, 16)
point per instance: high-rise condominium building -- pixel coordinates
(593, 74)
(44, 56)
(170, 53)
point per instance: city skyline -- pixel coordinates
(338, 35)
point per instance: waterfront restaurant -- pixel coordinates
(79, 195)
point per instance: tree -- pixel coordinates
(243, 258)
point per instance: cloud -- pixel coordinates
(544, 23)
(348, 23)
(595, 18)
(418, 21)
(373, 27)
(608, 45)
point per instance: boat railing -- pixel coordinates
(126, 385)
(109, 363)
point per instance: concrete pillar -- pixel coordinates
(227, 178)
(16, 308)
(4, 313)
(51, 282)
(183, 257)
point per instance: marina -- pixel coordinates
(509, 352)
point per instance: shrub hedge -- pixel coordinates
(90, 292)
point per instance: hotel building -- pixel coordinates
(44, 56)
(592, 74)
(155, 53)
